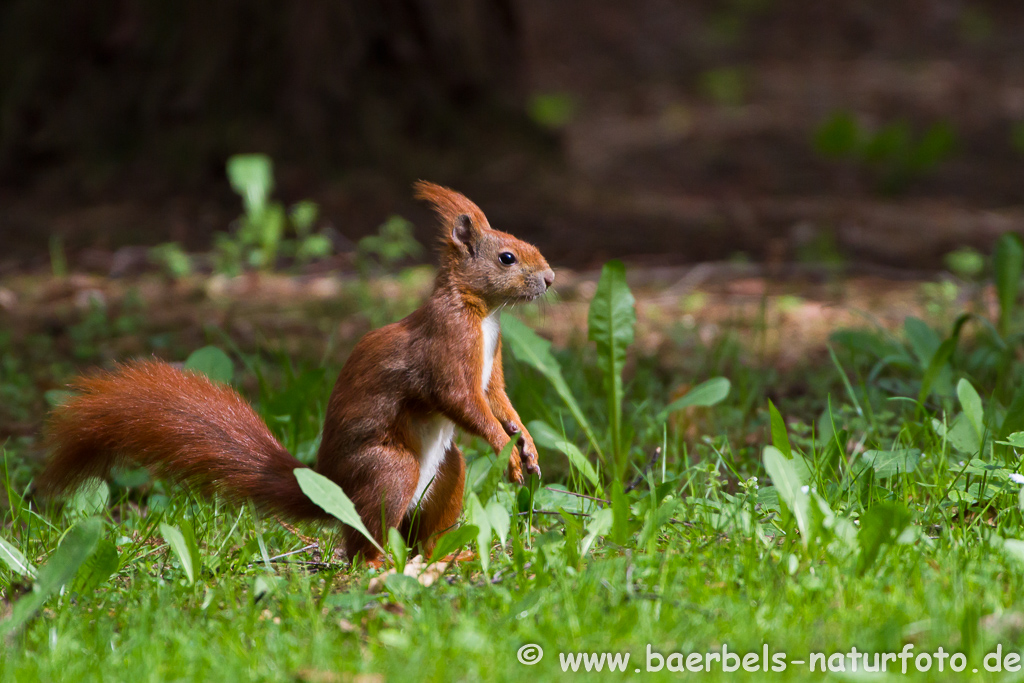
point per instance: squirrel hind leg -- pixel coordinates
(440, 507)
(384, 496)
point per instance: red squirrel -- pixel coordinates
(388, 434)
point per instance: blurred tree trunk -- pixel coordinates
(189, 81)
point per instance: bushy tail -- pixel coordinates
(181, 426)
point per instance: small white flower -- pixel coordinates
(805, 488)
(1017, 477)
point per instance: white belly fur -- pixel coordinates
(436, 432)
(489, 332)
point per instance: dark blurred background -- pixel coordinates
(870, 132)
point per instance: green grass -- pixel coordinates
(884, 513)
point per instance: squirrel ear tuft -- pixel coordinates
(465, 232)
(462, 221)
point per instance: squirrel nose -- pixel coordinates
(548, 276)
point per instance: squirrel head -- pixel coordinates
(481, 262)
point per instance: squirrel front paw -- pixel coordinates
(523, 458)
(528, 456)
(515, 472)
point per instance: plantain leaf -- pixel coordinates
(780, 437)
(790, 489)
(182, 549)
(500, 520)
(213, 363)
(704, 395)
(970, 401)
(398, 548)
(611, 324)
(479, 517)
(13, 558)
(536, 352)
(545, 435)
(252, 177)
(100, 566)
(90, 499)
(453, 540)
(333, 500)
(76, 548)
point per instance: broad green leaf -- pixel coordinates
(500, 520)
(453, 540)
(1008, 263)
(181, 549)
(1016, 439)
(98, 568)
(610, 325)
(790, 489)
(970, 401)
(780, 437)
(213, 363)
(402, 587)
(961, 435)
(398, 548)
(252, 177)
(536, 352)
(13, 558)
(478, 517)
(333, 500)
(546, 436)
(76, 548)
(880, 525)
(889, 463)
(600, 524)
(90, 499)
(705, 394)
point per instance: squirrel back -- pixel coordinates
(178, 424)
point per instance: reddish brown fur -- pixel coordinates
(182, 426)
(397, 377)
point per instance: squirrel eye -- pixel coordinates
(507, 258)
